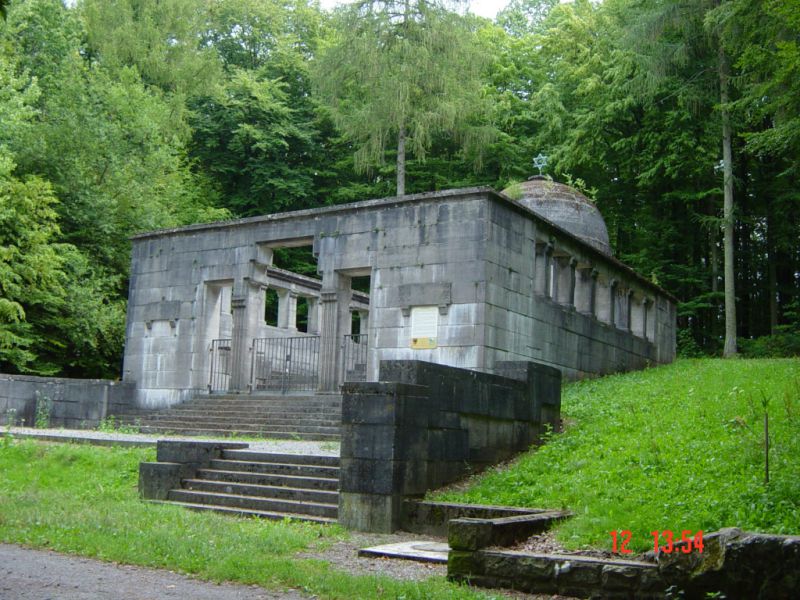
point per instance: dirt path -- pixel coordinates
(41, 575)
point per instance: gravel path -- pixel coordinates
(42, 575)
(142, 439)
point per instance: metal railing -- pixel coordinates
(354, 357)
(285, 364)
(220, 373)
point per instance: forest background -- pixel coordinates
(123, 116)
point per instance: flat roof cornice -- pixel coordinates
(490, 193)
(319, 211)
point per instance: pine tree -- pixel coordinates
(403, 70)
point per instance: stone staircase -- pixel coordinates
(301, 417)
(271, 486)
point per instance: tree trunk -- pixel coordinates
(772, 271)
(401, 161)
(727, 209)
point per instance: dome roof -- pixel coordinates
(564, 206)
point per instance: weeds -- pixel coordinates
(111, 425)
(44, 406)
(11, 416)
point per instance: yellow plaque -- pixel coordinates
(423, 343)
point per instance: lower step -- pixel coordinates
(272, 492)
(314, 509)
(330, 484)
(260, 434)
(244, 512)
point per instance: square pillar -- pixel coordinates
(564, 290)
(247, 309)
(287, 309)
(586, 290)
(607, 302)
(544, 252)
(313, 315)
(623, 316)
(335, 322)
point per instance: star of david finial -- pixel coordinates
(540, 162)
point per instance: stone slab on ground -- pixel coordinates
(418, 550)
(27, 574)
(102, 438)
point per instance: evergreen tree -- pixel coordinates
(402, 70)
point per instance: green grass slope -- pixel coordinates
(678, 447)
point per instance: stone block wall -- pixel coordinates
(426, 425)
(494, 281)
(76, 403)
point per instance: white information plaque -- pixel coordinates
(424, 326)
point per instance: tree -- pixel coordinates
(674, 35)
(160, 38)
(404, 70)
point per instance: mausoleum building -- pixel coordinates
(468, 278)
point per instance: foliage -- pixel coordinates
(676, 447)
(126, 116)
(83, 500)
(403, 71)
(778, 345)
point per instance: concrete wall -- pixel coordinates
(503, 284)
(426, 425)
(556, 324)
(76, 403)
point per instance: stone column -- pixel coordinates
(608, 303)
(313, 315)
(564, 290)
(639, 317)
(334, 323)
(363, 320)
(626, 305)
(585, 290)
(283, 308)
(244, 308)
(544, 251)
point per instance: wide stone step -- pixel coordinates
(276, 468)
(312, 483)
(258, 402)
(254, 433)
(315, 509)
(317, 460)
(283, 405)
(262, 491)
(255, 427)
(243, 512)
(245, 411)
(239, 422)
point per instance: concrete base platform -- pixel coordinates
(420, 551)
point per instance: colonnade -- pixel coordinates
(595, 290)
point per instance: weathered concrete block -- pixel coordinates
(157, 479)
(196, 454)
(377, 513)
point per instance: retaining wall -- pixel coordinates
(76, 403)
(426, 425)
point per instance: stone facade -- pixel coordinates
(467, 278)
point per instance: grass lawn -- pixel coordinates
(670, 448)
(83, 500)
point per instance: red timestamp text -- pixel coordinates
(663, 541)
